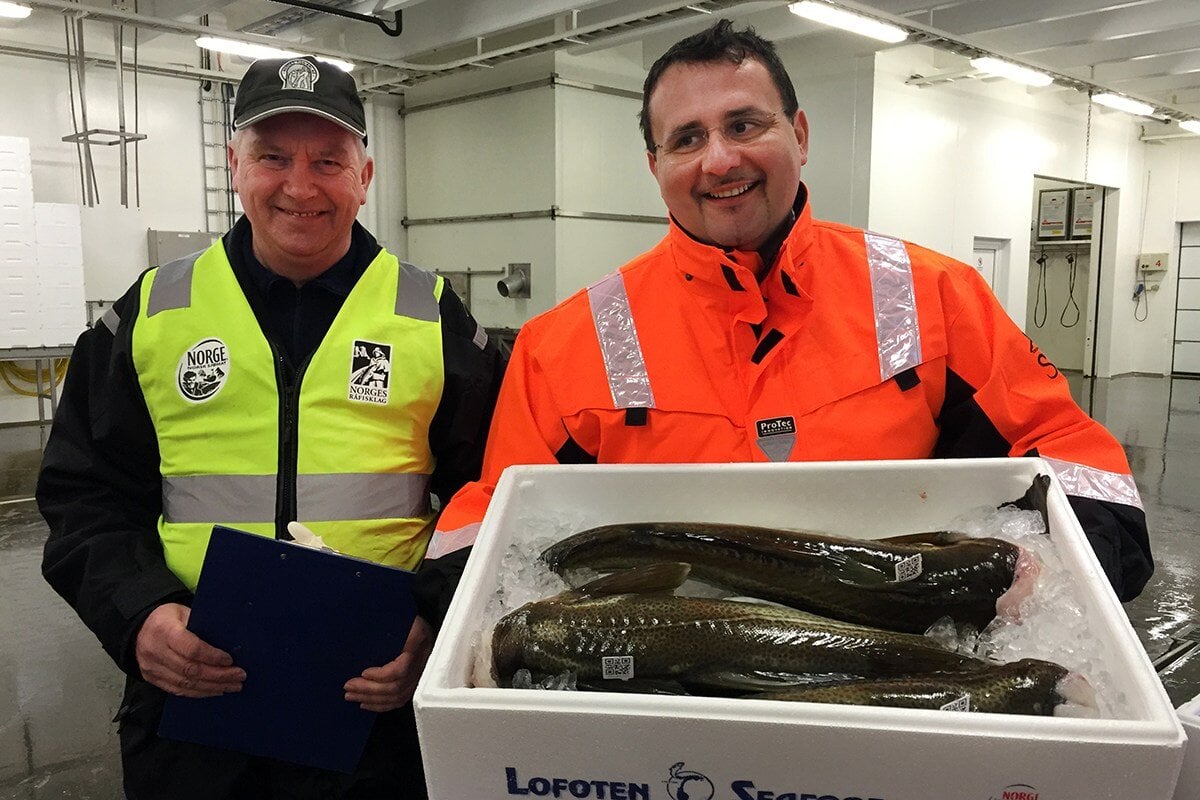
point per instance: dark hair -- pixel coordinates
(720, 42)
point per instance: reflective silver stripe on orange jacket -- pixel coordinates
(628, 379)
(1098, 484)
(446, 542)
(896, 331)
(251, 498)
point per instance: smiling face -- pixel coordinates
(301, 180)
(729, 194)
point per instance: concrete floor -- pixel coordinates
(58, 691)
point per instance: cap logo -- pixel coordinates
(299, 74)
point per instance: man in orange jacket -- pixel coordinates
(753, 332)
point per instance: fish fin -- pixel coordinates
(927, 537)
(658, 686)
(735, 682)
(1034, 498)
(650, 579)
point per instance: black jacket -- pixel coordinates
(100, 489)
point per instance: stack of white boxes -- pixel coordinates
(41, 259)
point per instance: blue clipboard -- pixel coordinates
(301, 622)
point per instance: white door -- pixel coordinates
(1187, 301)
(985, 262)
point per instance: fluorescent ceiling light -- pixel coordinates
(1014, 72)
(14, 11)
(256, 51)
(1121, 103)
(1192, 125)
(840, 18)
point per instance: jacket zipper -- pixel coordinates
(289, 441)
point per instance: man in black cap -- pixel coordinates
(294, 371)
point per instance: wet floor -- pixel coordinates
(59, 692)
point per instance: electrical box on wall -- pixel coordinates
(1151, 267)
(1152, 262)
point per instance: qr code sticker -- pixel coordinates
(909, 568)
(961, 704)
(616, 668)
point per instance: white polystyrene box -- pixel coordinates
(59, 248)
(16, 191)
(1188, 787)
(484, 743)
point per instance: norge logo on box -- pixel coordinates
(1018, 791)
(683, 784)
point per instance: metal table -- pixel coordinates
(41, 357)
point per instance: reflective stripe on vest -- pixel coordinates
(415, 296)
(897, 335)
(1098, 484)
(250, 498)
(628, 380)
(172, 285)
(111, 320)
(365, 401)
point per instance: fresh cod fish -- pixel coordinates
(631, 623)
(1029, 686)
(903, 583)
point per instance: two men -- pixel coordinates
(754, 332)
(283, 315)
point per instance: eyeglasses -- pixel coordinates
(741, 129)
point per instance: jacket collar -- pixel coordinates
(737, 270)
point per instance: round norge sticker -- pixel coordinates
(202, 370)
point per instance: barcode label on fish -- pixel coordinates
(909, 568)
(616, 668)
(961, 704)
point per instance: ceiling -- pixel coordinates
(1148, 49)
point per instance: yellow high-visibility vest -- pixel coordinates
(350, 443)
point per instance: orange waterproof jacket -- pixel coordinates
(853, 346)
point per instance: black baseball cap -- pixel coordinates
(283, 85)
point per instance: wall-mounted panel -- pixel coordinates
(602, 155)
(490, 155)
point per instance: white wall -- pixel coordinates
(956, 161)
(35, 96)
(491, 155)
(602, 169)
(1173, 174)
(387, 198)
(36, 101)
(575, 149)
(835, 91)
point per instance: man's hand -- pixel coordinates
(392, 685)
(176, 660)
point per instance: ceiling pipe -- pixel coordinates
(396, 30)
